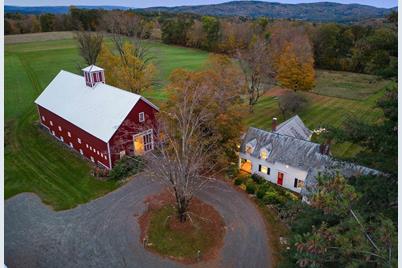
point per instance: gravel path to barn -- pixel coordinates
(105, 232)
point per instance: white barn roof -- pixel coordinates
(98, 110)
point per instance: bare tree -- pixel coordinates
(182, 157)
(291, 103)
(89, 45)
(256, 64)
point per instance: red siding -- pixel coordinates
(123, 138)
(76, 132)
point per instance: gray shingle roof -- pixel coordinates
(300, 154)
(294, 127)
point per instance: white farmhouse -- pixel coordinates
(286, 156)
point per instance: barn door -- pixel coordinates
(280, 178)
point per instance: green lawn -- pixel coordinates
(347, 85)
(35, 162)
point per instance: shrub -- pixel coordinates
(233, 171)
(238, 181)
(260, 193)
(271, 198)
(257, 178)
(250, 188)
(125, 167)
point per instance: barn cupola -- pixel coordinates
(93, 75)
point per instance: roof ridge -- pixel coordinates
(284, 135)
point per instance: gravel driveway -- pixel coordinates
(105, 232)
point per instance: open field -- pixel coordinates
(34, 162)
(347, 85)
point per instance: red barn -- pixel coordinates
(99, 121)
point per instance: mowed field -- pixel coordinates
(35, 162)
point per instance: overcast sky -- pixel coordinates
(150, 3)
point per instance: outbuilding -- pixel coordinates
(101, 122)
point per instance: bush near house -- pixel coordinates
(127, 166)
(250, 187)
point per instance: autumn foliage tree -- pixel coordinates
(293, 74)
(126, 69)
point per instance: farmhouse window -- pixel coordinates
(59, 128)
(264, 169)
(300, 184)
(69, 134)
(141, 117)
(43, 118)
(79, 140)
(263, 154)
(51, 123)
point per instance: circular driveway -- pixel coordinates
(105, 232)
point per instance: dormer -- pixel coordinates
(264, 153)
(93, 75)
(250, 146)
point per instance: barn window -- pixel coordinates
(90, 148)
(53, 132)
(97, 152)
(59, 128)
(79, 140)
(101, 155)
(105, 157)
(43, 118)
(61, 138)
(69, 134)
(122, 154)
(51, 123)
(87, 145)
(92, 159)
(141, 117)
(71, 145)
(81, 152)
(148, 141)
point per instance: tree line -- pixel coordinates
(364, 48)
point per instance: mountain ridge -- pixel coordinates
(318, 12)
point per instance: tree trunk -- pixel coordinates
(182, 205)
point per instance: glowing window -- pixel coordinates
(263, 154)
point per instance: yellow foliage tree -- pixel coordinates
(126, 70)
(293, 74)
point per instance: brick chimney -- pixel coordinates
(274, 121)
(325, 147)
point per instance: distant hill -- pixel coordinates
(322, 11)
(53, 9)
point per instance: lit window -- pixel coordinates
(69, 134)
(59, 128)
(299, 184)
(79, 140)
(81, 152)
(264, 169)
(263, 154)
(141, 117)
(43, 118)
(249, 149)
(51, 123)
